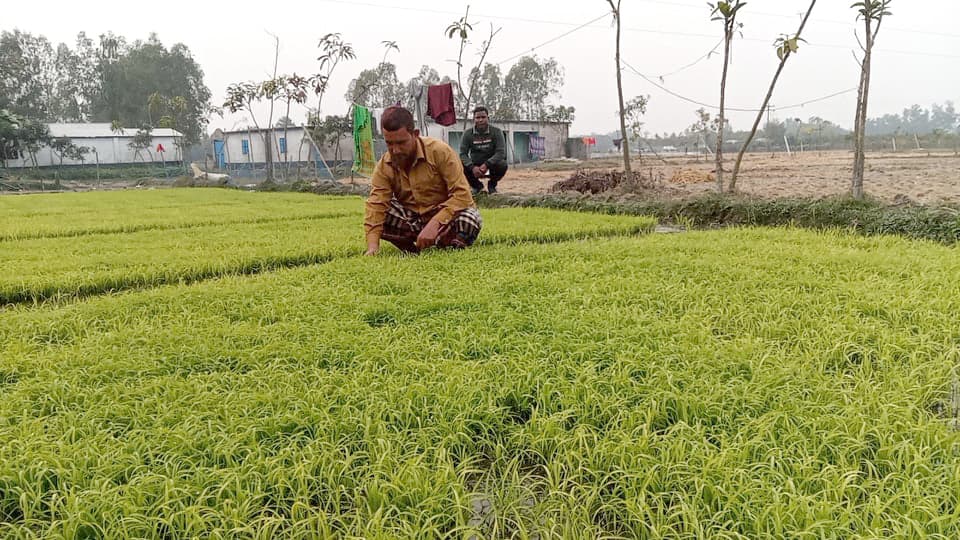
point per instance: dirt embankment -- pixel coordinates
(918, 176)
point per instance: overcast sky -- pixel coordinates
(917, 57)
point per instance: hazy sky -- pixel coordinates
(917, 57)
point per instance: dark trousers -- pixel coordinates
(496, 172)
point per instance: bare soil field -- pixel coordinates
(924, 178)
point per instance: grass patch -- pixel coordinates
(941, 224)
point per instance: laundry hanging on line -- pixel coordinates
(440, 104)
(364, 156)
(538, 146)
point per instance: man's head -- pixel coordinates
(400, 132)
(481, 118)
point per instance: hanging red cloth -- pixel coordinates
(440, 105)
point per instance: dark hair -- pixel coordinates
(481, 109)
(396, 118)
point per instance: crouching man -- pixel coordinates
(419, 196)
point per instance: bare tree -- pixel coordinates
(725, 12)
(786, 47)
(388, 46)
(633, 113)
(335, 50)
(872, 12)
(242, 96)
(143, 140)
(292, 89)
(462, 29)
(623, 112)
(271, 90)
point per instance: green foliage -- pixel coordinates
(111, 83)
(787, 45)
(331, 130)
(525, 92)
(9, 135)
(142, 141)
(726, 11)
(27, 74)
(872, 10)
(864, 217)
(145, 68)
(460, 28)
(633, 113)
(334, 50)
(106, 172)
(377, 87)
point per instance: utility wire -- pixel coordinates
(695, 62)
(662, 2)
(734, 109)
(638, 30)
(561, 36)
(790, 16)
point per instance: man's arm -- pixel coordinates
(381, 191)
(466, 143)
(458, 190)
(499, 148)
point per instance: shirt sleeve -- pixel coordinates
(499, 150)
(465, 143)
(457, 186)
(381, 191)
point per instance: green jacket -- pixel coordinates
(478, 147)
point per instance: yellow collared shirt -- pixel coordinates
(435, 181)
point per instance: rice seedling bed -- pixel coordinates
(65, 266)
(730, 384)
(77, 214)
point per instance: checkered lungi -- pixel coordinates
(402, 226)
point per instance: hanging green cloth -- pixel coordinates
(364, 157)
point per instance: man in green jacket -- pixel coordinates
(483, 152)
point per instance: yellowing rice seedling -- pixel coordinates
(729, 384)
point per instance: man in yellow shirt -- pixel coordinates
(419, 195)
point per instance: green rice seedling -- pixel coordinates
(173, 251)
(733, 384)
(77, 214)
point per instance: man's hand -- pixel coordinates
(483, 168)
(478, 171)
(428, 236)
(372, 248)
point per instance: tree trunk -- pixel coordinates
(859, 152)
(728, 38)
(625, 142)
(286, 142)
(766, 100)
(268, 152)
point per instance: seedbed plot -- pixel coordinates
(78, 214)
(51, 268)
(730, 384)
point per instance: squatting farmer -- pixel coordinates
(419, 195)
